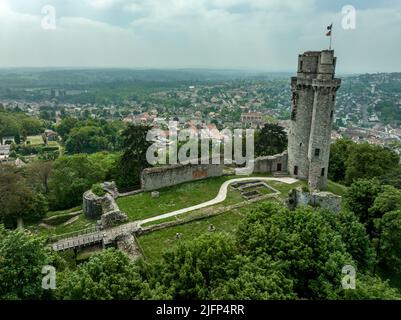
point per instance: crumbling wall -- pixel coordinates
(270, 164)
(92, 205)
(159, 177)
(105, 208)
(326, 200)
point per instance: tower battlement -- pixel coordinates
(312, 112)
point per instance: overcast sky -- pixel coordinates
(264, 35)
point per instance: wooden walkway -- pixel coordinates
(101, 236)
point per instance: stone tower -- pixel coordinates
(313, 100)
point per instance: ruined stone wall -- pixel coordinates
(92, 205)
(103, 208)
(270, 164)
(326, 200)
(160, 177)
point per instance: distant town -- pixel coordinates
(368, 106)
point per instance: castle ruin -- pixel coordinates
(313, 101)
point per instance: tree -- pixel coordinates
(339, 152)
(254, 279)
(71, 177)
(389, 199)
(87, 139)
(133, 160)
(354, 236)
(193, 268)
(271, 139)
(106, 276)
(392, 177)
(371, 288)
(389, 242)
(312, 253)
(360, 197)
(38, 173)
(17, 138)
(65, 126)
(18, 202)
(369, 161)
(22, 257)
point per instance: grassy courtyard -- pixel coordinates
(171, 198)
(156, 242)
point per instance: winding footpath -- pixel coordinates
(221, 196)
(109, 235)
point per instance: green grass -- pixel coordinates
(35, 140)
(233, 197)
(156, 242)
(171, 198)
(336, 188)
(285, 188)
(60, 212)
(82, 223)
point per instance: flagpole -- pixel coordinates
(331, 35)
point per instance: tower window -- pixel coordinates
(294, 112)
(323, 172)
(301, 65)
(300, 144)
(331, 115)
(294, 106)
(295, 170)
(317, 152)
(333, 98)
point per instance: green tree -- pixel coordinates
(71, 177)
(106, 276)
(65, 126)
(193, 268)
(87, 139)
(312, 253)
(257, 278)
(369, 161)
(392, 177)
(359, 198)
(22, 257)
(389, 242)
(133, 159)
(18, 202)
(339, 152)
(271, 139)
(38, 174)
(371, 288)
(389, 199)
(354, 236)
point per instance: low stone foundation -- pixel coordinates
(165, 176)
(326, 200)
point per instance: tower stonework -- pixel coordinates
(312, 112)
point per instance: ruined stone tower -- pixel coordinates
(313, 100)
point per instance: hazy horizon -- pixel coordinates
(258, 35)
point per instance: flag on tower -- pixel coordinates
(329, 28)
